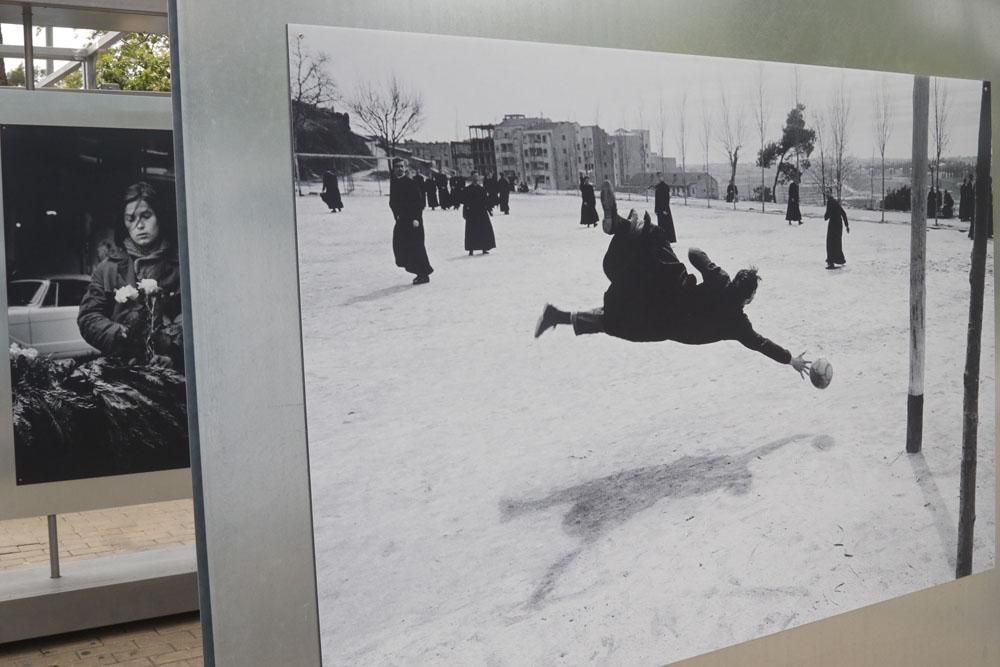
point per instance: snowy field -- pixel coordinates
(485, 498)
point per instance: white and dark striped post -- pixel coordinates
(918, 262)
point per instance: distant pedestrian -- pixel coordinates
(966, 194)
(931, 201)
(661, 206)
(457, 191)
(406, 201)
(503, 190)
(330, 194)
(834, 232)
(444, 197)
(792, 212)
(476, 211)
(492, 191)
(588, 208)
(430, 190)
(948, 207)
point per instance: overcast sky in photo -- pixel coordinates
(466, 81)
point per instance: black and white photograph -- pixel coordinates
(93, 302)
(620, 357)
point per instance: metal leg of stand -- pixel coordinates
(53, 547)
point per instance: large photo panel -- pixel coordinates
(98, 408)
(553, 305)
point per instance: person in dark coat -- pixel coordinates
(834, 234)
(406, 201)
(117, 325)
(419, 180)
(330, 194)
(989, 209)
(966, 195)
(732, 193)
(503, 192)
(430, 190)
(457, 191)
(931, 201)
(588, 209)
(652, 297)
(792, 212)
(476, 211)
(661, 206)
(444, 197)
(948, 207)
(492, 191)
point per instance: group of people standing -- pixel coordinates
(940, 205)
(410, 193)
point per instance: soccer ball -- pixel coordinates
(821, 373)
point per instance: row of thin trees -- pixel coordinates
(813, 145)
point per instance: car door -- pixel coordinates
(53, 325)
(21, 294)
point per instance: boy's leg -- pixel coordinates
(584, 322)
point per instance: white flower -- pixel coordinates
(29, 352)
(15, 349)
(123, 294)
(149, 286)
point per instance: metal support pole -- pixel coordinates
(48, 42)
(90, 72)
(29, 51)
(53, 547)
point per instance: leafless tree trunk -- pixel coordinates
(822, 149)
(840, 120)
(977, 281)
(3, 68)
(682, 141)
(311, 86)
(883, 130)
(390, 112)
(761, 112)
(706, 142)
(731, 136)
(797, 92)
(939, 100)
(918, 263)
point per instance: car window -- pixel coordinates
(50, 296)
(71, 292)
(21, 292)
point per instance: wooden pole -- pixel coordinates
(918, 262)
(970, 412)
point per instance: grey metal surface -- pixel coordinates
(51, 107)
(241, 223)
(97, 592)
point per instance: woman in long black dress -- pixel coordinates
(792, 213)
(588, 209)
(475, 209)
(834, 234)
(330, 194)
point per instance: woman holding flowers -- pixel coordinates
(132, 309)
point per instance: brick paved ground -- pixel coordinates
(101, 532)
(174, 641)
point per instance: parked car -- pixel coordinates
(42, 314)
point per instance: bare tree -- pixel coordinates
(706, 142)
(797, 94)
(731, 136)
(390, 113)
(682, 141)
(311, 87)
(663, 123)
(882, 125)
(761, 113)
(840, 121)
(822, 147)
(939, 100)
